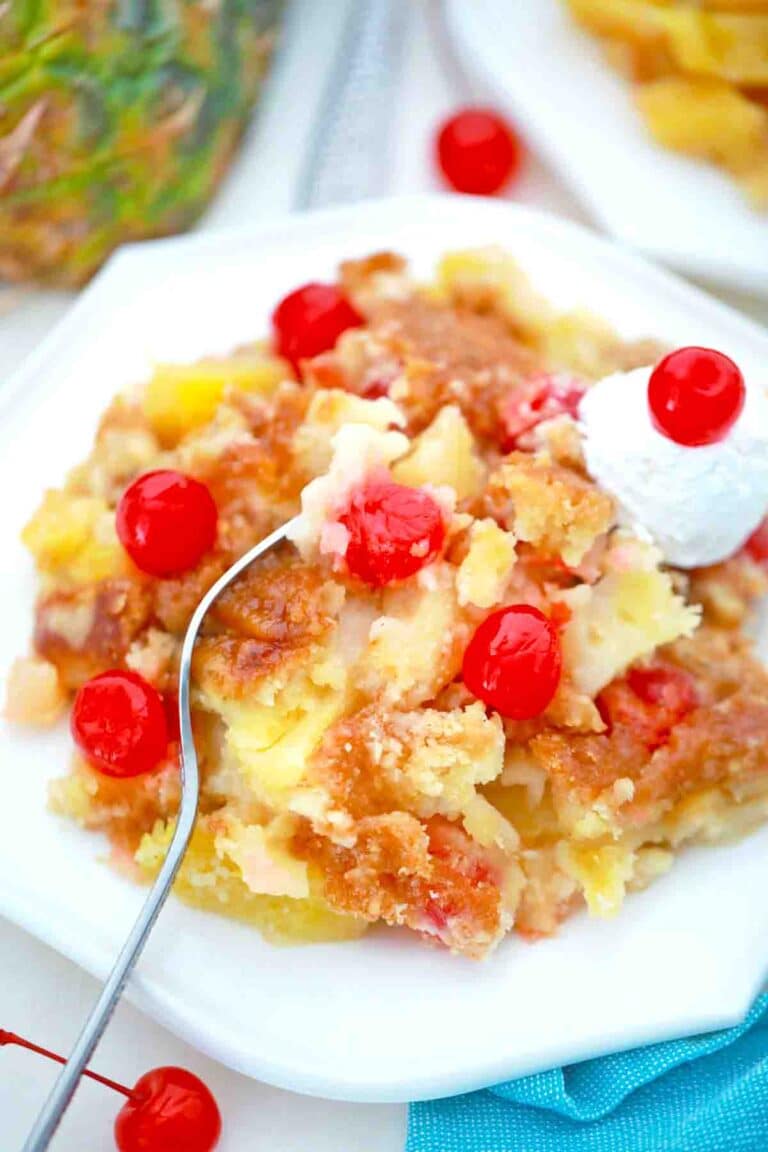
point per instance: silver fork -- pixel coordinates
(66, 1084)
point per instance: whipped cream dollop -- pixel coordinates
(699, 505)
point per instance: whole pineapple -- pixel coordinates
(117, 120)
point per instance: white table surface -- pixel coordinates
(44, 996)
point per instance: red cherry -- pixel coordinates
(394, 531)
(664, 686)
(310, 320)
(513, 662)
(695, 395)
(118, 723)
(171, 708)
(538, 399)
(478, 151)
(757, 545)
(166, 522)
(650, 701)
(170, 1110)
(167, 1110)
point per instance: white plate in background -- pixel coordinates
(580, 113)
(383, 1018)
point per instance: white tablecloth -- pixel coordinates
(43, 995)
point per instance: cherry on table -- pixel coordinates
(514, 661)
(169, 1110)
(478, 151)
(695, 396)
(394, 531)
(119, 724)
(166, 521)
(310, 320)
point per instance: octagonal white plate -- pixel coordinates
(384, 1018)
(580, 113)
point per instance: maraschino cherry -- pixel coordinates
(757, 545)
(695, 396)
(167, 1110)
(650, 700)
(538, 399)
(394, 531)
(166, 521)
(513, 662)
(310, 320)
(119, 724)
(478, 151)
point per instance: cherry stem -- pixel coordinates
(12, 1038)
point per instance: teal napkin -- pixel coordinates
(704, 1094)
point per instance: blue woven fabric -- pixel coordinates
(704, 1094)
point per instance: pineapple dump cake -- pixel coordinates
(502, 669)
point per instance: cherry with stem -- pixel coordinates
(167, 1110)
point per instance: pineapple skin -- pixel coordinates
(118, 119)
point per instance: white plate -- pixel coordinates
(581, 114)
(384, 1018)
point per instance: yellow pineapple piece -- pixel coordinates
(272, 742)
(484, 571)
(634, 21)
(444, 453)
(579, 342)
(415, 645)
(215, 884)
(602, 872)
(707, 119)
(34, 693)
(486, 824)
(490, 280)
(730, 44)
(629, 613)
(182, 397)
(73, 538)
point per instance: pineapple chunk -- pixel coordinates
(579, 342)
(215, 884)
(484, 571)
(73, 538)
(732, 45)
(272, 743)
(489, 279)
(34, 693)
(626, 615)
(182, 397)
(414, 646)
(444, 453)
(486, 824)
(707, 119)
(601, 872)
